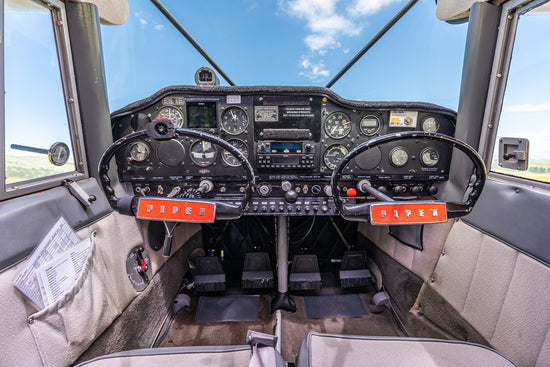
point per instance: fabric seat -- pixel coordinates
(215, 356)
(319, 350)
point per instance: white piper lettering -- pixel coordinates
(174, 209)
(187, 211)
(434, 212)
(202, 212)
(149, 208)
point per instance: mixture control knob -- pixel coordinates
(286, 186)
(315, 189)
(291, 196)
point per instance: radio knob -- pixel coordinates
(264, 189)
(285, 186)
(315, 189)
(308, 148)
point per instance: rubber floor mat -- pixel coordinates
(334, 305)
(228, 308)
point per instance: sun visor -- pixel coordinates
(111, 12)
(454, 9)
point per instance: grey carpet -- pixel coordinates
(228, 308)
(334, 305)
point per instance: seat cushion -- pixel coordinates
(218, 356)
(319, 350)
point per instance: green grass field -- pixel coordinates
(538, 170)
(22, 168)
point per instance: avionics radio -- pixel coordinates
(286, 154)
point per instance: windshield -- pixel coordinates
(288, 42)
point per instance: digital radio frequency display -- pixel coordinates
(286, 147)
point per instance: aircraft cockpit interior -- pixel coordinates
(156, 213)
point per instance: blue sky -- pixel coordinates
(288, 42)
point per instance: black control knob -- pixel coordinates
(382, 189)
(271, 208)
(264, 209)
(416, 190)
(298, 208)
(315, 189)
(289, 208)
(433, 190)
(308, 148)
(399, 189)
(281, 208)
(291, 196)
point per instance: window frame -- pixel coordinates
(511, 12)
(63, 48)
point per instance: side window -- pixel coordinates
(37, 136)
(526, 107)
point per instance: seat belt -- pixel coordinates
(263, 349)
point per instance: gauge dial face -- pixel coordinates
(172, 113)
(333, 155)
(138, 152)
(58, 154)
(399, 156)
(430, 125)
(369, 125)
(203, 153)
(337, 125)
(229, 158)
(234, 120)
(429, 157)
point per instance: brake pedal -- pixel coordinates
(304, 273)
(354, 271)
(209, 276)
(257, 272)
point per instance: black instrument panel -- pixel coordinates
(293, 137)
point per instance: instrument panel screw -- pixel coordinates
(432, 279)
(30, 320)
(490, 126)
(510, 16)
(499, 75)
(59, 22)
(71, 100)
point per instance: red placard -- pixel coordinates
(408, 213)
(171, 210)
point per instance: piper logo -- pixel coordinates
(408, 213)
(176, 210)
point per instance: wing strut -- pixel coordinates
(373, 41)
(191, 40)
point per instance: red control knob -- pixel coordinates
(351, 192)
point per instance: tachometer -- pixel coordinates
(203, 153)
(172, 113)
(430, 125)
(337, 125)
(429, 157)
(231, 160)
(138, 152)
(334, 154)
(399, 156)
(234, 120)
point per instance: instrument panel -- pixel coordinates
(294, 137)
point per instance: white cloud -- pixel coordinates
(314, 71)
(159, 27)
(540, 107)
(142, 21)
(327, 22)
(368, 7)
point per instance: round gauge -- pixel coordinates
(172, 113)
(234, 120)
(138, 152)
(229, 158)
(399, 156)
(369, 125)
(429, 157)
(58, 154)
(430, 125)
(337, 125)
(334, 154)
(203, 153)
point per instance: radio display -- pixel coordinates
(286, 146)
(201, 114)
